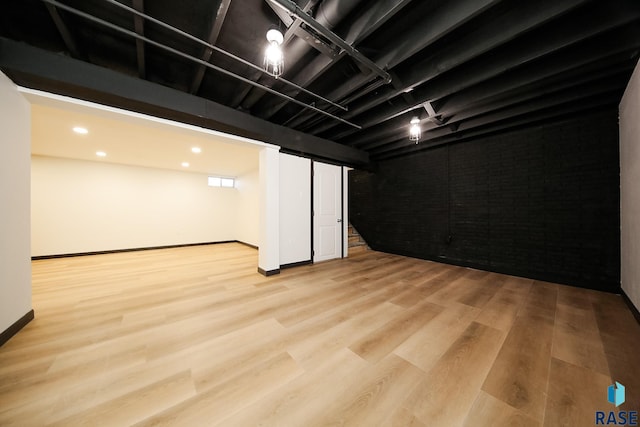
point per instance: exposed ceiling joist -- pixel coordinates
(212, 38)
(432, 114)
(439, 23)
(365, 24)
(329, 13)
(64, 31)
(504, 28)
(482, 65)
(541, 117)
(582, 66)
(548, 103)
(488, 67)
(138, 23)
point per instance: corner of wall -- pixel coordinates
(629, 194)
(15, 217)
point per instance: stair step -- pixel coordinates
(355, 239)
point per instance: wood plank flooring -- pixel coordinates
(195, 337)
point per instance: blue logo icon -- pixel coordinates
(615, 394)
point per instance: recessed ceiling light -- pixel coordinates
(80, 130)
(196, 149)
(185, 164)
(101, 154)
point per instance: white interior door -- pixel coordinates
(327, 212)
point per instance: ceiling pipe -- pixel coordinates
(363, 26)
(217, 49)
(295, 10)
(440, 22)
(194, 59)
(549, 99)
(544, 116)
(612, 27)
(565, 82)
(506, 28)
(328, 12)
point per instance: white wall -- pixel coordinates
(248, 210)
(82, 206)
(295, 209)
(15, 150)
(269, 242)
(630, 188)
(345, 211)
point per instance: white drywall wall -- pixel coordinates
(295, 209)
(248, 210)
(269, 242)
(82, 206)
(630, 188)
(15, 253)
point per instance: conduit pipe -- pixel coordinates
(197, 60)
(328, 14)
(219, 50)
(295, 10)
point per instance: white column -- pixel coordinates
(295, 209)
(345, 211)
(15, 209)
(269, 246)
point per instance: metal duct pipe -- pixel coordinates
(365, 24)
(329, 14)
(192, 58)
(295, 10)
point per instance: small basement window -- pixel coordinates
(218, 181)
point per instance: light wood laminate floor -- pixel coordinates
(195, 337)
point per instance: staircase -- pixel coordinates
(356, 242)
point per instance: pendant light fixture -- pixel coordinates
(414, 130)
(273, 56)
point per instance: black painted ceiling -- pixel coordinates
(465, 67)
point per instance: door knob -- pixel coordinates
(339, 219)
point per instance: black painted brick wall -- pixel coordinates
(541, 203)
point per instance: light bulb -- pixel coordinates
(414, 130)
(273, 56)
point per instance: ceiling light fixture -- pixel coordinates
(101, 154)
(80, 130)
(273, 56)
(414, 130)
(185, 164)
(196, 150)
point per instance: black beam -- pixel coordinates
(582, 36)
(544, 101)
(529, 28)
(540, 118)
(504, 28)
(611, 77)
(572, 63)
(329, 13)
(38, 69)
(66, 35)
(212, 38)
(366, 23)
(138, 24)
(531, 84)
(526, 113)
(436, 25)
